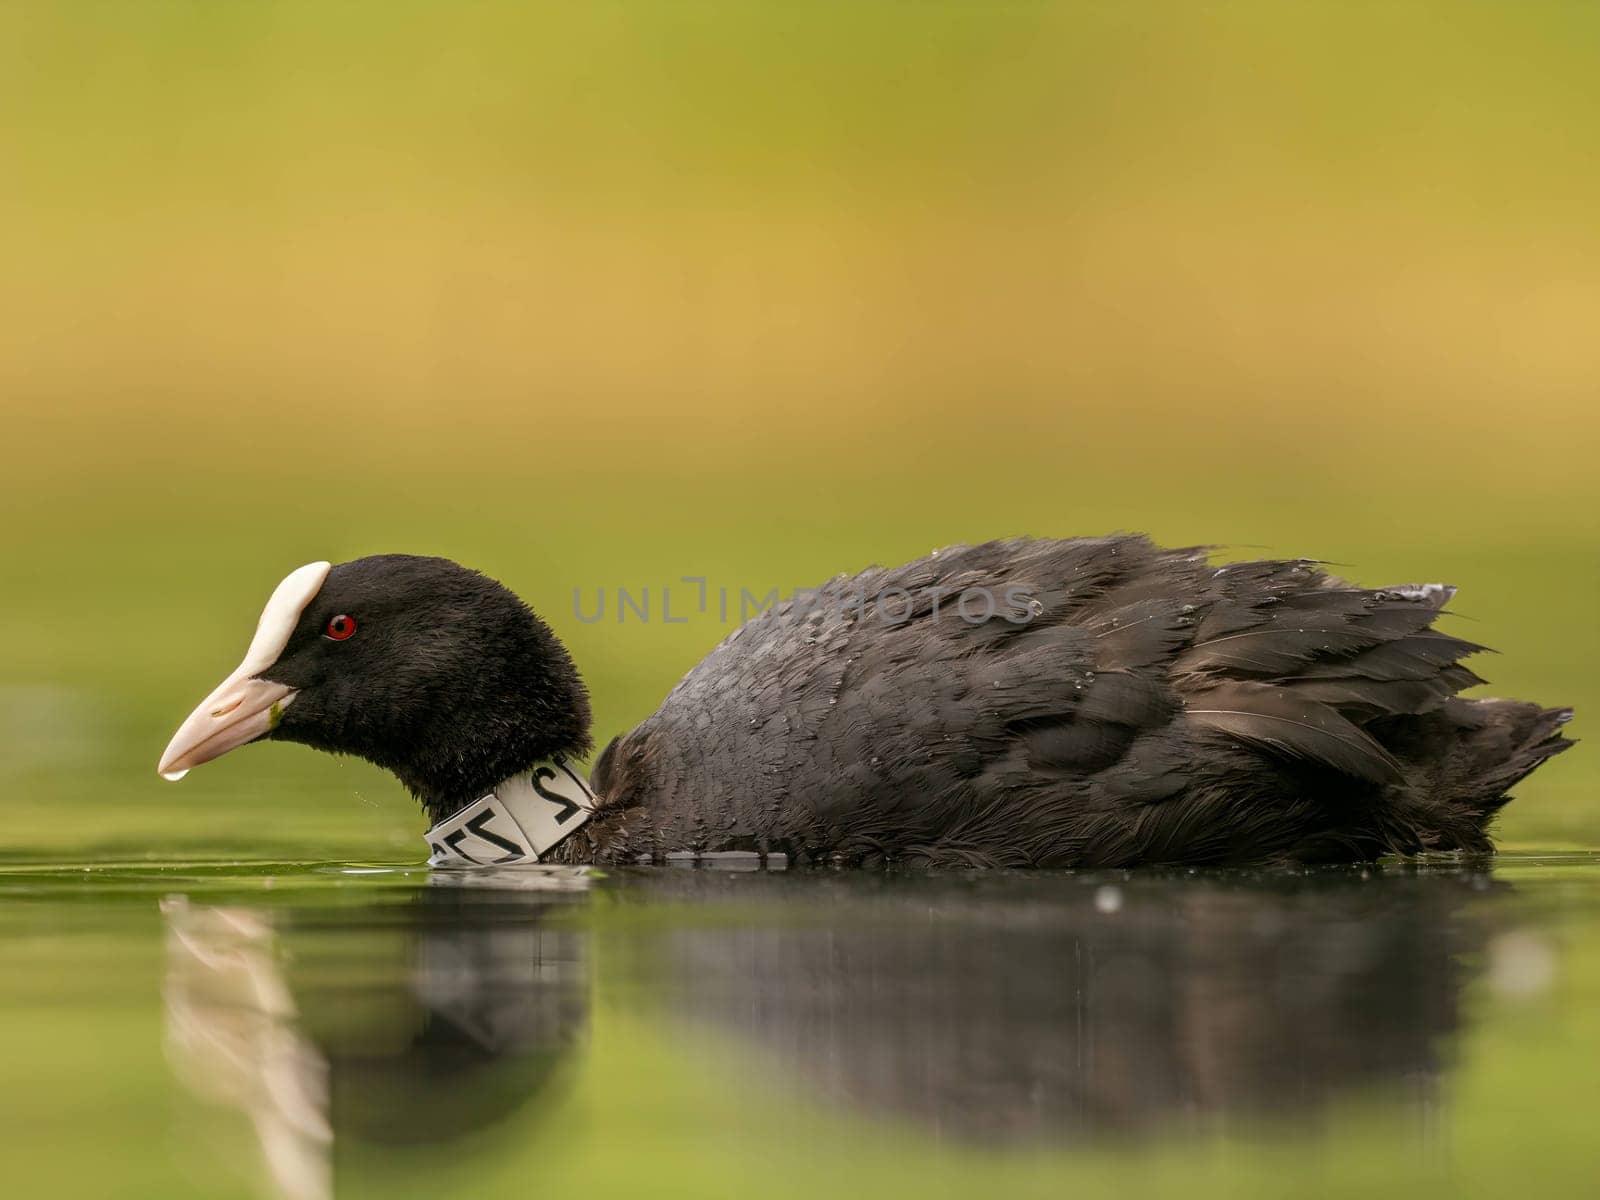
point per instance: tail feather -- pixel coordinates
(1505, 740)
(1461, 762)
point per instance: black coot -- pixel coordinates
(1101, 702)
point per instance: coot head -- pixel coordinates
(437, 673)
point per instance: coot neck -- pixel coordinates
(522, 819)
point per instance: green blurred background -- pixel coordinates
(603, 294)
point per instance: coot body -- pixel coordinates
(1046, 703)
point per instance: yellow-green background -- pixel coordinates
(604, 293)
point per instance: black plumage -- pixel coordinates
(1124, 704)
(1156, 708)
(451, 682)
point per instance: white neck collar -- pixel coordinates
(521, 820)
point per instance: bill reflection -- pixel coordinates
(383, 1027)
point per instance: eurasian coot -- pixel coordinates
(1084, 702)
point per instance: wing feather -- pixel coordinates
(1277, 720)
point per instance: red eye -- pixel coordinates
(340, 627)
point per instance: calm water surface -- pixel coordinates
(308, 1030)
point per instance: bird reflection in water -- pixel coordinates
(399, 1024)
(1064, 1010)
(987, 1008)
